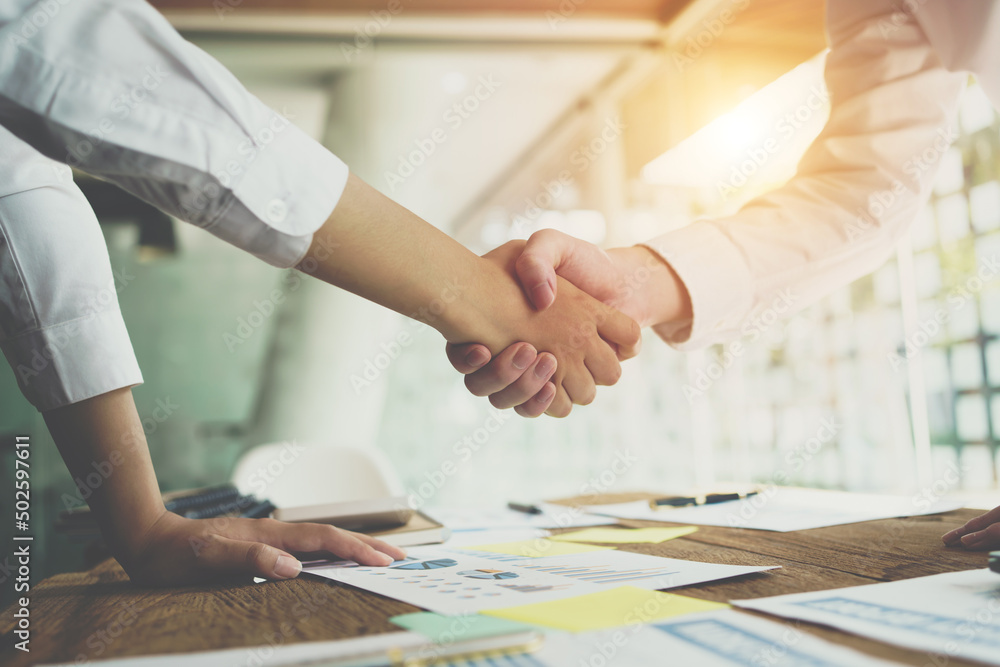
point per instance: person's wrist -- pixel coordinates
(474, 315)
(652, 292)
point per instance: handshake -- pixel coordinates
(588, 308)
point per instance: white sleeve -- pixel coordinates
(856, 190)
(109, 87)
(60, 326)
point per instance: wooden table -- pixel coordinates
(99, 614)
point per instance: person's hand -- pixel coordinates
(176, 551)
(634, 280)
(982, 532)
(587, 337)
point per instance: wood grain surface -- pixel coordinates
(87, 616)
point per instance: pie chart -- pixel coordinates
(487, 574)
(435, 564)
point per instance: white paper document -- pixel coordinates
(304, 653)
(953, 615)
(713, 639)
(624, 568)
(460, 581)
(451, 582)
(785, 509)
(461, 519)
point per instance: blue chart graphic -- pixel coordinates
(958, 629)
(736, 644)
(601, 574)
(426, 564)
(487, 574)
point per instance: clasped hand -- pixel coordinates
(630, 282)
(572, 346)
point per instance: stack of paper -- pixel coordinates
(784, 509)
(953, 615)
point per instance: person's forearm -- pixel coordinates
(102, 441)
(378, 250)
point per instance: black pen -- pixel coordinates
(687, 501)
(523, 507)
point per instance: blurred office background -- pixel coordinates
(613, 121)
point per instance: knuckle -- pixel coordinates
(500, 402)
(476, 385)
(257, 554)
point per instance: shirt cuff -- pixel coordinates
(717, 279)
(73, 361)
(284, 195)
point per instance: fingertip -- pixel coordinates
(971, 539)
(287, 567)
(542, 295)
(477, 357)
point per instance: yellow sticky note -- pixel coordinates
(625, 605)
(539, 548)
(625, 535)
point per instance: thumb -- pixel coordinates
(536, 268)
(548, 253)
(256, 558)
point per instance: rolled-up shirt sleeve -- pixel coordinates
(61, 329)
(109, 87)
(856, 191)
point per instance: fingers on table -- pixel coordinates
(223, 554)
(973, 525)
(988, 538)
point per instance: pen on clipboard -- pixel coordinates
(687, 501)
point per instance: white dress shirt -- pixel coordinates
(109, 87)
(895, 76)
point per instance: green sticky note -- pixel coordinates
(615, 607)
(450, 629)
(537, 548)
(625, 535)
